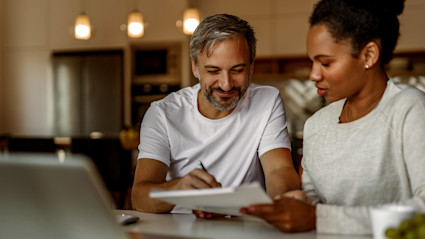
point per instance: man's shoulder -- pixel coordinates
(261, 97)
(180, 98)
(263, 88)
(263, 91)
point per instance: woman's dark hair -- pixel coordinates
(361, 21)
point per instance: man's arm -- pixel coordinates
(279, 172)
(152, 174)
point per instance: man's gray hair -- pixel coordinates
(218, 28)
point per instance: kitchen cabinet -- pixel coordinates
(156, 71)
(88, 93)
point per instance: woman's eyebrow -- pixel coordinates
(316, 57)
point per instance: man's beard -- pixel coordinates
(226, 106)
(208, 93)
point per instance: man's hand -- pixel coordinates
(297, 194)
(197, 179)
(152, 174)
(287, 214)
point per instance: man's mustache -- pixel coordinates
(221, 90)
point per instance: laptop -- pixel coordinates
(46, 196)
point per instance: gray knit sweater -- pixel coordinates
(377, 159)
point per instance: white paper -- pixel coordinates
(226, 201)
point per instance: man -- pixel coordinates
(236, 129)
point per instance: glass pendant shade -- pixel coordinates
(82, 29)
(190, 20)
(135, 26)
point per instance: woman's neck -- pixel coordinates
(364, 102)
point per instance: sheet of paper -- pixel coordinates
(226, 201)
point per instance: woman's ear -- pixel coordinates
(371, 54)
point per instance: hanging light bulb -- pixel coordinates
(190, 20)
(135, 26)
(82, 27)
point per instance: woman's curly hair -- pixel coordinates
(361, 21)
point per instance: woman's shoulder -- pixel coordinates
(324, 117)
(328, 112)
(400, 100)
(404, 95)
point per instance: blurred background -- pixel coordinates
(88, 94)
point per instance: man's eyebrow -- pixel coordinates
(216, 67)
(211, 66)
(239, 65)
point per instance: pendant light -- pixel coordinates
(190, 20)
(135, 26)
(82, 29)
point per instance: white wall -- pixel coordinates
(25, 66)
(2, 129)
(411, 26)
(280, 26)
(36, 28)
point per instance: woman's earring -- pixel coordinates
(367, 67)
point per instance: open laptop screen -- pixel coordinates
(44, 197)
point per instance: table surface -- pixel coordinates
(188, 226)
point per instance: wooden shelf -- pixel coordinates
(392, 73)
(299, 67)
(281, 67)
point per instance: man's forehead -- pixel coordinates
(209, 48)
(232, 53)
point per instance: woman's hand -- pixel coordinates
(206, 215)
(287, 214)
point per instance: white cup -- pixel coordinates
(385, 216)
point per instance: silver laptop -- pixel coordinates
(46, 196)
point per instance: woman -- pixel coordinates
(368, 146)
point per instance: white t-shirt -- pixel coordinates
(174, 132)
(377, 159)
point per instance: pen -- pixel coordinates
(202, 166)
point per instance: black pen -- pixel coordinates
(202, 166)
